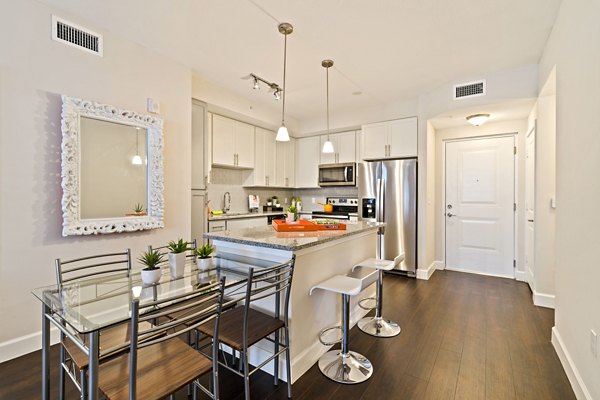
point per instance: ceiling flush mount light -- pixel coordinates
(478, 119)
(137, 160)
(327, 146)
(285, 29)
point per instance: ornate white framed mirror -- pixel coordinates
(112, 169)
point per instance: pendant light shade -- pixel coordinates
(285, 29)
(327, 146)
(136, 160)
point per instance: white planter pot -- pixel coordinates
(289, 219)
(151, 276)
(177, 264)
(204, 263)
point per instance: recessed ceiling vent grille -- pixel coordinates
(471, 89)
(76, 36)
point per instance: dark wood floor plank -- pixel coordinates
(464, 336)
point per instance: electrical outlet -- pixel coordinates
(314, 201)
(594, 343)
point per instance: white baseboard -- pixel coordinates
(521, 276)
(22, 345)
(425, 274)
(581, 391)
(543, 299)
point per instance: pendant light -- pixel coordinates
(285, 28)
(137, 160)
(327, 146)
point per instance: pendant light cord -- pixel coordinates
(284, 65)
(327, 70)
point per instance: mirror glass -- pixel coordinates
(112, 169)
(114, 166)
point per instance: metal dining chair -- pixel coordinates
(73, 361)
(244, 326)
(156, 363)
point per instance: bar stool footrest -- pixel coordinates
(324, 331)
(361, 301)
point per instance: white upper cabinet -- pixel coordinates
(264, 159)
(285, 163)
(390, 139)
(308, 151)
(199, 178)
(232, 143)
(344, 147)
(403, 138)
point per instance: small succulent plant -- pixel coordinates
(151, 259)
(205, 251)
(138, 208)
(178, 247)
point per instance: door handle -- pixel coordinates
(450, 215)
(529, 220)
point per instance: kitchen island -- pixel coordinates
(319, 256)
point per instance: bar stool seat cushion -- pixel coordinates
(374, 263)
(339, 284)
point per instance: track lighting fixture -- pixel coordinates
(277, 94)
(256, 81)
(256, 85)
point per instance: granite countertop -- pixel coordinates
(224, 217)
(267, 236)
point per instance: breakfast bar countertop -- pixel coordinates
(267, 236)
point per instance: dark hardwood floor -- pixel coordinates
(463, 336)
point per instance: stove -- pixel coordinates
(343, 208)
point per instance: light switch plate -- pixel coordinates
(153, 106)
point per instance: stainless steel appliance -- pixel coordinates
(343, 208)
(343, 174)
(387, 192)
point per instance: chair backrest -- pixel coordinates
(84, 267)
(275, 281)
(191, 253)
(186, 312)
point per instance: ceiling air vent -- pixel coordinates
(471, 89)
(76, 36)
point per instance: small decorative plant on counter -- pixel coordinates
(275, 201)
(292, 214)
(203, 256)
(151, 272)
(138, 211)
(177, 257)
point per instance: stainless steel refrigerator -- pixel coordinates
(387, 192)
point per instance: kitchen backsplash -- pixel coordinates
(231, 180)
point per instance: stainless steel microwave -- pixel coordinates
(343, 174)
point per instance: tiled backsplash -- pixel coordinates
(231, 180)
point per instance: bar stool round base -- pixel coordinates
(349, 369)
(379, 327)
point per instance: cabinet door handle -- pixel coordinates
(286, 181)
(267, 180)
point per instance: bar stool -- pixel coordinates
(377, 325)
(343, 366)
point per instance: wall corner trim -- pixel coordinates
(425, 274)
(521, 276)
(581, 391)
(543, 299)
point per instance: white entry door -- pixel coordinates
(529, 206)
(479, 206)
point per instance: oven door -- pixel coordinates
(337, 174)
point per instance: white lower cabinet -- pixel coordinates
(198, 215)
(236, 224)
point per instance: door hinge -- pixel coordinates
(514, 263)
(514, 206)
(515, 149)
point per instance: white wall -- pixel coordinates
(573, 48)
(34, 72)
(491, 128)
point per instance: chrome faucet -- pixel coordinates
(226, 201)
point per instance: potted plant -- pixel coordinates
(292, 215)
(151, 272)
(138, 211)
(203, 256)
(177, 257)
(276, 202)
(269, 202)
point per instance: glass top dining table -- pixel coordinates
(96, 303)
(89, 305)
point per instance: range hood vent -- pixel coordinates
(471, 89)
(76, 36)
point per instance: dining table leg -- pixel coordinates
(93, 365)
(45, 353)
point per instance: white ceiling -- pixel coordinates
(390, 50)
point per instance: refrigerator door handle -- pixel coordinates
(380, 217)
